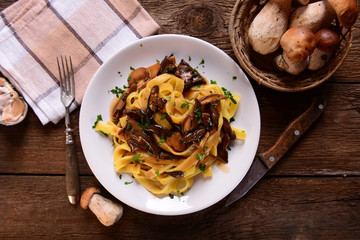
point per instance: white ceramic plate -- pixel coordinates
(219, 67)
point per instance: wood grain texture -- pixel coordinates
(305, 195)
(296, 208)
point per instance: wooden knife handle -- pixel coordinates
(293, 132)
(72, 173)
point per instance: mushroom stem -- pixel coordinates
(107, 211)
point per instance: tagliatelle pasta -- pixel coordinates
(169, 125)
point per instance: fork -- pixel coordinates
(67, 96)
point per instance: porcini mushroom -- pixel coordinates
(328, 41)
(107, 211)
(269, 25)
(297, 43)
(346, 11)
(315, 16)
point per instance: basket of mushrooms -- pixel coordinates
(292, 46)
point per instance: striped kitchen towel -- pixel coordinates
(34, 32)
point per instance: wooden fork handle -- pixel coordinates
(72, 170)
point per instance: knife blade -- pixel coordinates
(263, 162)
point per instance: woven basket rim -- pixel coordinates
(263, 77)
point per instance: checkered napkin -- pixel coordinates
(34, 32)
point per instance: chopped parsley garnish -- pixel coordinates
(98, 118)
(198, 112)
(127, 183)
(171, 196)
(104, 133)
(157, 60)
(229, 148)
(131, 68)
(157, 173)
(197, 86)
(141, 45)
(120, 176)
(163, 116)
(128, 127)
(232, 119)
(229, 95)
(162, 140)
(117, 91)
(234, 77)
(167, 99)
(202, 167)
(199, 156)
(213, 82)
(186, 104)
(145, 123)
(202, 61)
(129, 78)
(135, 158)
(189, 58)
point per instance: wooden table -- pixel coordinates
(312, 193)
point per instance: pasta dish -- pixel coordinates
(169, 125)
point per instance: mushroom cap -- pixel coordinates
(298, 43)
(328, 40)
(86, 196)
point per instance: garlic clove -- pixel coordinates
(13, 108)
(13, 111)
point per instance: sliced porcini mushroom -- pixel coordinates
(158, 130)
(155, 103)
(168, 64)
(154, 69)
(184, 71)
(117, 111)
(214, 115)
(139, 74)
(175, 174)
(211, 98)
(222, 152)
(174, 142)
(328, 41)
(193, 136)
(144, 141)
(191, 121)
(228, 130)
(190, 76)
(298, 43)
(108, 212)
(13, 108)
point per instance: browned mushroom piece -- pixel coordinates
(193, 136)
(139, 139)
(214, 116)
(155, 103)
(228, 130)
(154, 69)
(158, 130)
(117, 111)
(168, 64)
(174, 142)
(191, 121)
(184, 71)
(107, 211)
(139, 74)
(222, 152)
(211, 98)
(175, 174)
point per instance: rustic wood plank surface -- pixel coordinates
(312, 193)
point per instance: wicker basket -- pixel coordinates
(262, 68)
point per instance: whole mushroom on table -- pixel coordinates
(302, 32)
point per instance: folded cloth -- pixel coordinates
(34, 32)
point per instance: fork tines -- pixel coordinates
(66, 79)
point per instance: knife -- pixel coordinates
(263, 162)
